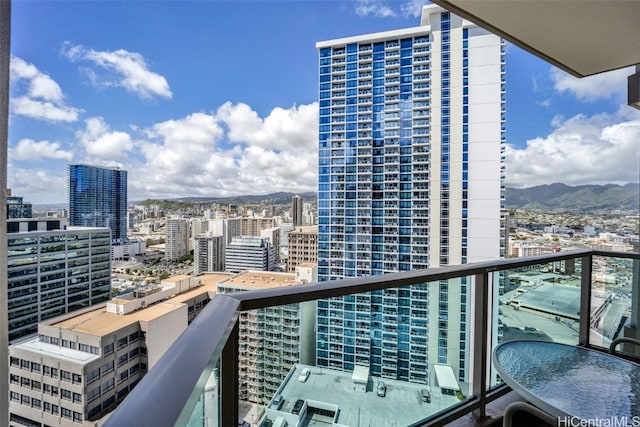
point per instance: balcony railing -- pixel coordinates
(581, 297)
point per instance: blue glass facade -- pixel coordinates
(394, 156)
(98, 198)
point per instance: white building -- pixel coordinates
(176, 238)
(208, 253)
(129, 249)
(249, 253)
(411, 146)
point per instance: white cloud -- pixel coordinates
(600, 86)
(120, 68)
(376, 8)
(413, 8)
(103, 144)
(293, 129)
(230, 152)
(41, 110)
(37, 95)
(32, 151)
(38, 185)
(599, 149)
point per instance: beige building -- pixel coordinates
(81, 365)
(252, 226)
(303, 247)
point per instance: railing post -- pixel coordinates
(5, 59)
(585, 299)
(480, 337)
(228, 396)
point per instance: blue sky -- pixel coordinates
(214, 98)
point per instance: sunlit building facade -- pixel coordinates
(411, 143)
(98, 198)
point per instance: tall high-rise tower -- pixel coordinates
(296, 208)
(411, 137)
(98, 198)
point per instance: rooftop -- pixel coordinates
(260, 280)
(402, 402)
(34, 345)
(100, 322)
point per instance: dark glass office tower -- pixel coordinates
(98, 198)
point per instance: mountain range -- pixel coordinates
(581, 198)
(558, 197)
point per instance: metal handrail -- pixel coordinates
(169, 392)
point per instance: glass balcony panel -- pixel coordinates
(614, 302)
(538, 302)
(205, 412)
(412, 338)
(400, 354)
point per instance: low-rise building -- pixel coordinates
(81, 365)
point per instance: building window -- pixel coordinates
(77, 417)
(92, 394)
(14, 396)
(66, 413)
(107, 349)
(93, 375)
(108, 385)
(77, 398)
(55, 409)
(77, 378)
(122, 342)
(107, 367)
(36, 403)
(54, 372)
(65, 375)
(65, 394)
(123, 359)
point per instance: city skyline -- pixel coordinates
(225, 103)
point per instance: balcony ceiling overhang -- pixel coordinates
(582, 37)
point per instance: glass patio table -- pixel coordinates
(570, 384)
